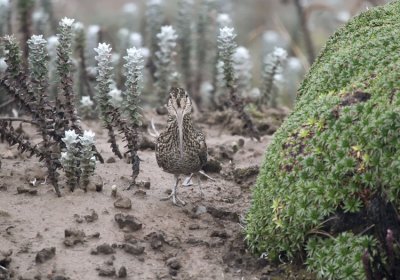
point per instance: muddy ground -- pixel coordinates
(82, 236)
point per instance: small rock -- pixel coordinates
(242, 174)
(220, 233)
(21, 190)
(194, 226)
(173, 272)
(60, 277)
(157, 239)
(162, 110)
(96, 183)
(140, 193)
(110, 160)
(130, 238)
(173, 263)
(45, 254)
(146, 143)
(106, 271)
(144, 184)
(200, 210)
(222, 214)
(93, 216)
(127, 222)
(123, 202)
(73, 237)
(105, 249)
(94, 235)
(134, 249)
(78, 219)
(122, 273)
(212, 166)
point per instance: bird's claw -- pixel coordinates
(175, 199)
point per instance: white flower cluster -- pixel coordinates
(226, 34)
(103, 58)
(115, 97)
(167, 39)
(37, 40)
(224, 20)
(86, 101)
(38, 57)
(242, 66)
(130, 8)
(134, 75)
(272, 73)
(166, 72)
(66, 22)
(70, 138)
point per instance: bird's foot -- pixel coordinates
(175, 199)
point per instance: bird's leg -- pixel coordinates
(174, 195)
(187, 182)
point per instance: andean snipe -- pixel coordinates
(180, 148)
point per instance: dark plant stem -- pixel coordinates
(306, 32)
(19, 120)
(25, 9)
(113, 141)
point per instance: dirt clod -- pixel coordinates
(104, 249)
(220, 233)
(45, 254)
(173, 263)
(223, 214)
(134, 249)
(122, 273)
(194, 226)
(22, 190)
(242, 174)
(73, 237)
(127, 222)
(111, 160)
(157, 239)
(106, 271)
(93, 216)
(123, 203)
(212, 166)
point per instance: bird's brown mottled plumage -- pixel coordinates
(194, 148)
(180, 148)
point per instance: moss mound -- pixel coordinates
(334, 165)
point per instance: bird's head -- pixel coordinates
(179, 105)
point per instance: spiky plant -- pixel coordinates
(103, 88)
(84, 86)
(52, 43)
(4, 12)
(134, 74)
(272, 67)
(25, 8)
(165, 65)
(205, 41)
(112, 115)
(40, 20)
(133, 69)
(242, 66)
(86, 107)
(70, 159)
(87, 158)
(64, 70)
(154, 20)
(226, 47)
(185, 40)
(38, 70)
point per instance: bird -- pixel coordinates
(181, 149)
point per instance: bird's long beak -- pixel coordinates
(179, 118)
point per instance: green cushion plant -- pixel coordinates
(333, 168)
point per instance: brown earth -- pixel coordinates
(202, 240)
